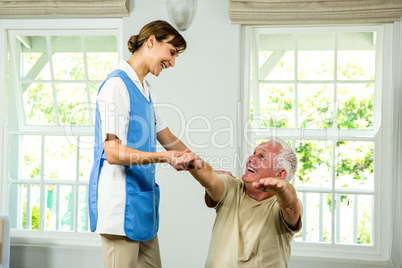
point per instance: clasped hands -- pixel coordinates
(185, 160)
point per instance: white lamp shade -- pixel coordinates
(181, 12)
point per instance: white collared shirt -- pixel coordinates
(114, 108)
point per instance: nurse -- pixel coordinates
(123, 194)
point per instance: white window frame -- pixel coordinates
(379, 252)
(47, 26)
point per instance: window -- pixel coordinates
(321, 90)
(54, 76)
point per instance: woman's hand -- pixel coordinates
(184, 160)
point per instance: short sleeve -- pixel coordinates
(114, 108)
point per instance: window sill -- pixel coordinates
(346, 260)
(338, 254)
(54, 239)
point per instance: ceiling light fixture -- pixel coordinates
(181, 12)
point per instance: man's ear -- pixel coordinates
(281, 174)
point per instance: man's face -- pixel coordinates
(260, 165)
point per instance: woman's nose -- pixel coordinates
(172, 61)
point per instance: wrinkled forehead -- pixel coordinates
(270, 147)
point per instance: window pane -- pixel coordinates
(66, 204)
(317, 226)
(312, 217)
(276, 57)
(24, 202)
(36, 66)
(101, 56)
(38, 105)
(354, 209)
(60, 158)
(72, 100)
(327, 218)
(68, 58)
(346, 217)
(34, 57)
(51, 207)
(276, 106)
(93, 90)
(86, 157)
(315, 105)
(314, 167)
(83, 219)
(315, 56)
(356, 56)
(58, 207)
(365, 208)
(355, 164)
(355, 106)
(25, 157)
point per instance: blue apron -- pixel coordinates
(141, 217)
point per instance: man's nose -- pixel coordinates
(252, 159)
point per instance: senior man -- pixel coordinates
(256, 215)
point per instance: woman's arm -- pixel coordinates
(169, 141)
(118, 154)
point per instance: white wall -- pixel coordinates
(204, 84)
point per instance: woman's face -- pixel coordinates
(163, 56)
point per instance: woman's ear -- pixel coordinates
(281, 174)
(151, 41)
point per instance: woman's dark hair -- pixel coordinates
(162, 31)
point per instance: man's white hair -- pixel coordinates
(286, 159)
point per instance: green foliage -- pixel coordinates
(326, 237)
(39, 107)
(277, 102)
(363, 229)
(310, 157)
(72, 107)
(34, 216)
(317, 110)
(355, 165)
(35, 170)
(355, 114)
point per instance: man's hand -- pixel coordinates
(286, 196)
(224, 172)
(271, 184)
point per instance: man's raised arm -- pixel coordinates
(206, 176)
